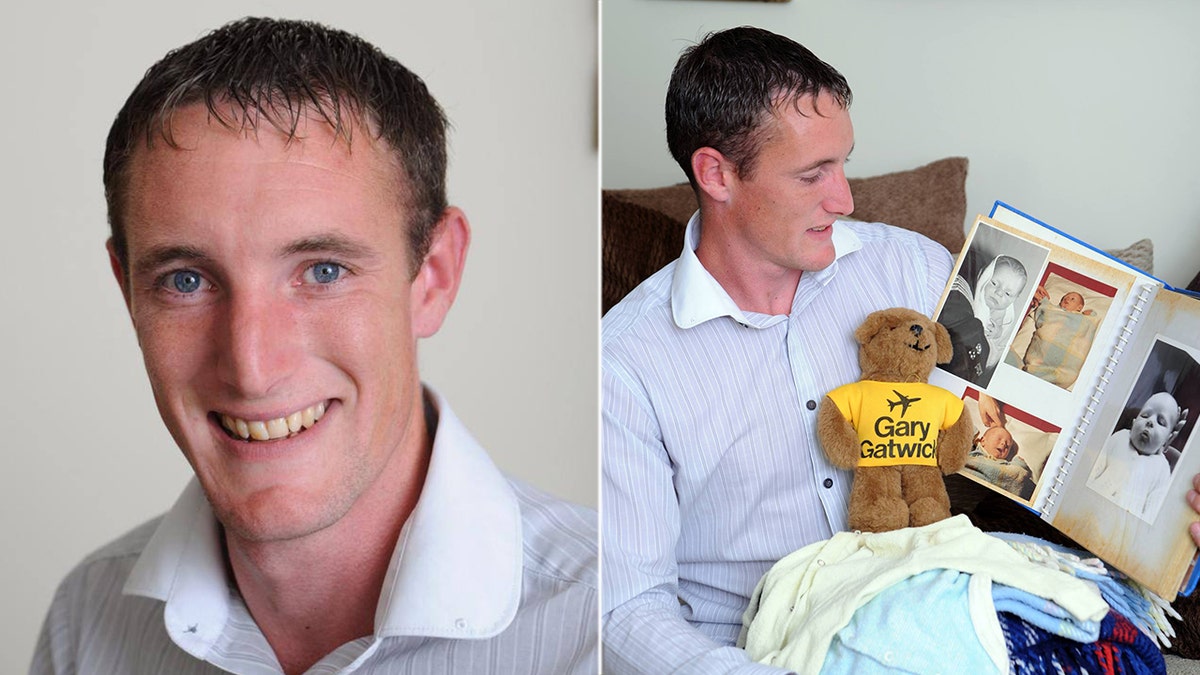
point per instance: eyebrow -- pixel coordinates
(323, 243)
(328, 243)
(161, 255)
(822, 162)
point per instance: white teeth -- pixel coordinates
(258, 431)
(280, 427)
(235, 426)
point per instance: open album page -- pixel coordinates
(1126, 500)
(1032, 326)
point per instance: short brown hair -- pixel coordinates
(723, 89)
(258, 69)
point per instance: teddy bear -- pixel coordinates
(898, 433)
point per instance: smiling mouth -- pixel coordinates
(272, 429)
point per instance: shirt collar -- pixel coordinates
(696, 296)
(455, 572)
(457, 568)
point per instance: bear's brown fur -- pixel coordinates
(896, 345)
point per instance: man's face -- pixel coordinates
(797, 186)
(1153, 427)
(269, 283)
(1001, 290)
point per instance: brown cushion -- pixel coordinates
(637, 242)
(931, 199)
(1140, 254)
(1195, 285)
(676, 202)
(1186, 642)
(643, 229)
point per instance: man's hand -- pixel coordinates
(1038, 296)
(991, 414)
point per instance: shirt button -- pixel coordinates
(811, 405)
(828, 482)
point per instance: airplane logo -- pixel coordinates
(904, 402)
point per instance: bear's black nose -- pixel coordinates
(916, 329)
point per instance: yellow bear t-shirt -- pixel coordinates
(897, 422)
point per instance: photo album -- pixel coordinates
(1081, 375)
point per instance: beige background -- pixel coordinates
(85, 456)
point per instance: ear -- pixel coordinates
(868, 329)
(713, 173)
(118, 272)
(945, 348)
(436, 284)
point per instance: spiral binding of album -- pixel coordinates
(1123, 337)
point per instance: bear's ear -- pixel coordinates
(945, 349)
(874, 322)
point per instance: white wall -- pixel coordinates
(1081, 112)
(85, 456)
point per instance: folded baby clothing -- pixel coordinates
(1121, 649)
(1141, 606)
(805, 599)
(1043, 613)
(938, 621)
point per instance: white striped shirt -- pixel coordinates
(711, 471)
(489, 576)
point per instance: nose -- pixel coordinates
(916, 329)
(839, 200)
(257, 347)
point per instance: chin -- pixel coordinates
(274, 514)
(815, 261)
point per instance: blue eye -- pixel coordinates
(323, 273)
(186, 281)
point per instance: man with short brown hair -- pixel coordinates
(281, 236)
(712, 368)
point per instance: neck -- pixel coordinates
(312, 594)
(755, 283)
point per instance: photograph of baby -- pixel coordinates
(1056, 334)
(1010, 446)
(988, 296)
(1137, 462)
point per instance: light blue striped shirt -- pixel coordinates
(711, 471)
(489, 576)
